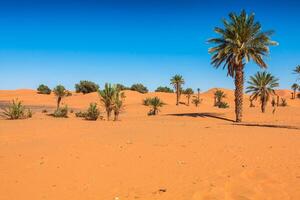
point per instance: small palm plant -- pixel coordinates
(261, 86)
(60, 92)
(92, 112)
(177, 81)
(16, 110)
(155, 103)
(188, 92)
(219, 95)
(107, 98)
(118, 101)
(295, 87)
(196, 101)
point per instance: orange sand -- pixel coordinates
(185, 153)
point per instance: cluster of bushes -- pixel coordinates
(86, 87)
(164, 89)
(43, 89)
(139, 88)
(92, 113)
(16, 110)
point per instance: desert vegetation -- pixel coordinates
(138, 87)
(177, 81)
(43, 89)
(240, 41)
(164, 89)
(294, 87)
(86, 87)
(155, 104)
(60, 92)
(262, 86)
(188, 92)
(16, 110)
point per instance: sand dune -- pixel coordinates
(184, 153)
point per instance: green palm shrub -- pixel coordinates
(155, 103)
(283, 102)
(177, 81)
(86, 87)
(196, 101)
(240, 40)
(61, 112)
(188, 92)
(106, 97)
(16, 110)
(118, 100)
(295, 87)
(92, 112)
(164, 89)
(81, 114)
(60, 92)
(219, 95)
(139, 88)
(43, 89)
(223, 105)
(261, 86)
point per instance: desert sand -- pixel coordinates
(184, 153)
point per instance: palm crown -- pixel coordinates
(240, 40)
(177, 81)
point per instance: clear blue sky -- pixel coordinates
(62, 42)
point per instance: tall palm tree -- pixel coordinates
(107, 98)
(177, 81)
(262, 85)
(294, 87)
(60, 92)
(240, 40)
(188, 92)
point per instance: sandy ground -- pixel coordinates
(185, 153)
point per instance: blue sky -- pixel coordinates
(62, 42)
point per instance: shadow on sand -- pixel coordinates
(204, 115)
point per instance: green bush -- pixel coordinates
(146, 101)
(139, 88)
(121, 87)
(223, 105)
(43, 89)
(164, 89)
(81, 114)
(92, 112)
(155, 103)
(86, 87)
(283, 102)
(61, 112)
(16, 110)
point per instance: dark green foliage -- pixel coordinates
(177, 81)
(43, 89)
(164, 89)
(283, 102)
(16, 110)
(139, 88)
(121, 87)
(86, 87)
(196, 101)
(60, 92)
(188, 92)
(219, 95)
(155, 103)
(223, 105)
(81, 114)
(61, 112)
(92, 112)
(118, 101)
(106, 97)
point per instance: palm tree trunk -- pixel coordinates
(188, 100)
(108, 115)
(177, 95)
(294, 95)
(116, 116)
(239, 89)
(58, 102)
(263, 105)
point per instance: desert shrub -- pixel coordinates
(283, 102)
(196, 101)
(92, 112)
(61, 112)
(118, 103)
(139, 88)
(164, 89)
(81, 114)
(223, 105)
(43, 89)
(86, 87)
(44, 111)
(60, 92)
(121, 87)
(16, 110)
(298, 95)
(146, 101)
(155, 103)
(218, 97)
